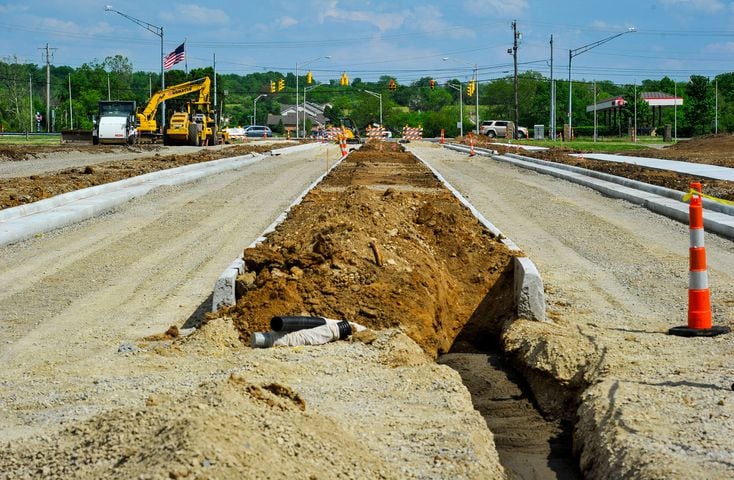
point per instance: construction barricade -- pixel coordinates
(376, 133)
(412, 133)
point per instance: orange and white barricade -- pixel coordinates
(699, 299)
(332, 134)
(378, 133)
(412, 133)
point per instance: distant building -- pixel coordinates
(611, 109)
(314, 113)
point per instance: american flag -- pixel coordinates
(174, 57)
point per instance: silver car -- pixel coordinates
(498, 128)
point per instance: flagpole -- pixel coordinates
(214, 67)
(186, 59)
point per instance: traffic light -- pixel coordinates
(309, 78)
(272, 86)
(392, 85)
(281, 85)
(432, 84)
(470, 88)
(344, 80)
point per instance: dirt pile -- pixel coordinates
(24, 152)
(22, 190)
(709, 149)
(382, 243)
(336, 411)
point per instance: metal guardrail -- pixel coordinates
(30, 134)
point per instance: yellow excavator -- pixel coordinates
(195, 126)
(347, 125)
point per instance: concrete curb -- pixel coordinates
(295, 148)
(528, 284)
(646, 187)
(660, 200)
(223, 293)
(20, 223)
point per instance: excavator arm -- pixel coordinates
(146, 117)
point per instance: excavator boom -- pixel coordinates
(146, 117)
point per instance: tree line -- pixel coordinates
(708, 103)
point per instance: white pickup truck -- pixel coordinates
(115, 122)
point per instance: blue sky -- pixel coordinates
(370, 38)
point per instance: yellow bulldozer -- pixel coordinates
(195, 126)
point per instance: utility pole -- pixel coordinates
(552, 97)
(109, 97)
(515, 36)
(49, 55)
(214, 67)
(716, 108)
(30, 98)
(596, 131)
(71, 108)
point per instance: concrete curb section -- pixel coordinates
(529, 291)
(660, 200)
(20, 223)
(295, 148)
(223, 293)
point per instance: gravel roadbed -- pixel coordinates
(646, 405)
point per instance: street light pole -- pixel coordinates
(461, 106)
(377, 95)
(303, 64)
(578, 51)
(476, 87)
(158, 31)
(254, 108)
(476, 93)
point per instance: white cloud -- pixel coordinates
(196, 14)
(383, 21)
(430, 19)
(16, 8)
(496, 7)
(709, 6)
(285, 22)
(726, 48)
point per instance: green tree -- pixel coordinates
(700, 103)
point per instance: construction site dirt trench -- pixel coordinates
(383, 243)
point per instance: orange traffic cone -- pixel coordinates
(343, 144)
(288, 135)
(442, 140)
(471, 144)
(699, 301)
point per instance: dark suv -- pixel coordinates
(258, 131)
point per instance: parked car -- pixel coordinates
(255, 131)
(498, 128)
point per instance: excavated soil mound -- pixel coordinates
(22, 190)
(380, 242)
